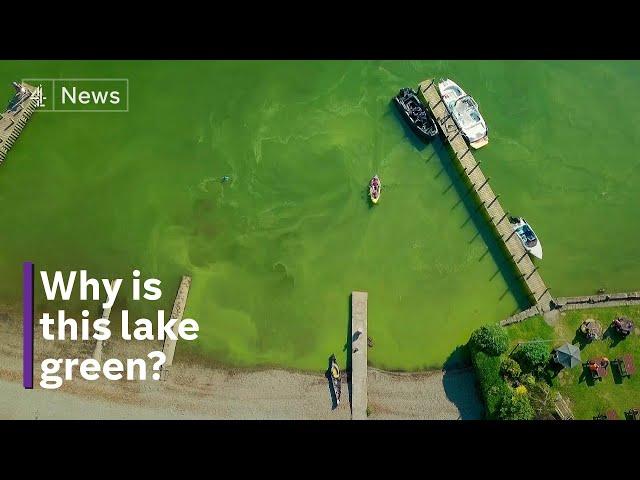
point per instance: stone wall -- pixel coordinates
(578, 303)
(520, 316)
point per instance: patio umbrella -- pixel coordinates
(568, 355)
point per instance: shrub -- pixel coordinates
(516, 407)
(490, 339)
(521, 390)
(492, 385)
(528, 379)
(510, 369)
(533, 357)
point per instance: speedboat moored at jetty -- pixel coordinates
(416, 114)
(527, 236)
(375, 187)
(465, 112)
(336, 382)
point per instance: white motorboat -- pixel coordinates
(527, 236)
(465, 112)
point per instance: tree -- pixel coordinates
(533, 356)
(490, 339)
(516, 407)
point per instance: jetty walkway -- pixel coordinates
(536, 288)
(359, 347)
(15, 117)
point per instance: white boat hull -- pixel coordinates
(534, 250)
(465, 113)
(479, 143)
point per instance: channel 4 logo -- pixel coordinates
(93, 95)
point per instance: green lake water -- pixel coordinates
(275, 252)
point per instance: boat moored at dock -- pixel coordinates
(414, 112)
(527, 236)
(336, 381)
(465, 112)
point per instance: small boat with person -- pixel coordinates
(465, 112)
(414, 112)
(375, 187)
(334, 374)
(527, 236)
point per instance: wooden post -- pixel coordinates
(453, 138)
(466, 151)
(532, 272)
(169, 347)
(485, 182)
(503, 217)
(523, 255)
(493, 201)
(97, 351)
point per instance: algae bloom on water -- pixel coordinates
(259, 195)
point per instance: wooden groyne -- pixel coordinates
(169, 347)
(15, 117)
(359, 355)
(528, 272)
(97, 352)
(520, 316)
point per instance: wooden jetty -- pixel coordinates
(538, 291)
(97, 352)
(359, 355)
(169, 347)
(15, 117)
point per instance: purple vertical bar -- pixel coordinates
(27, 325)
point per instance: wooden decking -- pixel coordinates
(179, 305)
(538, 291)
(97, 352)
(359, 355)
(15, 117)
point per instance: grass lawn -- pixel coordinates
(586, 397)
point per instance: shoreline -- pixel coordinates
(195, 391)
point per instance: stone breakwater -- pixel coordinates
(520, 316)
(577, 303)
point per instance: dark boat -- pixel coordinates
(422, 123)
(334, 375)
